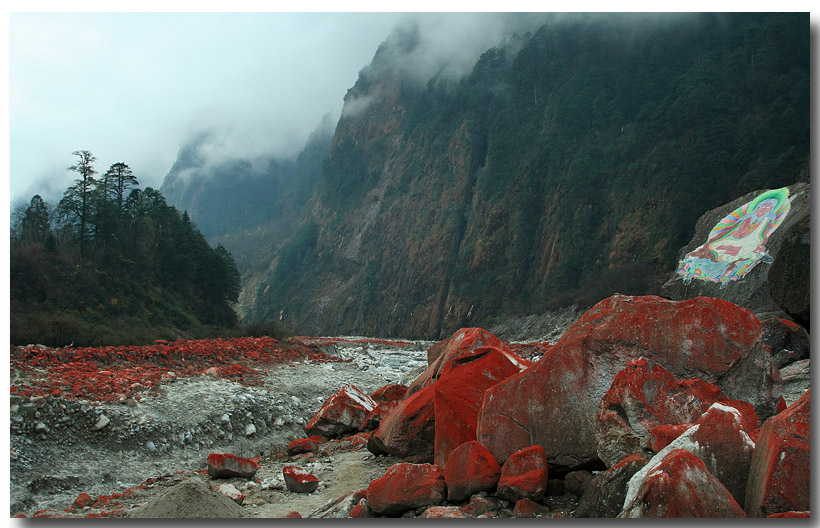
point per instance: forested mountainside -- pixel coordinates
(569, 164)
(114, 264)
(249, 206)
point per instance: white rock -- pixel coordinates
(225, 418)
(149, 445)
(250, 429)
(101, 422)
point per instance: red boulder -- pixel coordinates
(389, 392)
(779, 476)
(524, 475)
(374, 418)
(342, 413)
(299, 481)
(230, 466)
(470, 468)
(678, 486)
(301, 445)
(527, 508)
(645, 395)
(405, 487)
(553, 403)
(410, 430)
(460, 391)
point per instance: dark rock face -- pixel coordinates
(789, 275)
(753, 290)
(604, 497)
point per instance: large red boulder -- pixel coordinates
(230, 466)
(389, 392)
(342, 413)
(298, 480)
(645, 395)
(678, 486)
(380, 412)
(553, 403)
(470, 469)
(459, 392)
(405, 487)
(779, 476)
(463, 341)
(410, 430)
(524, 475)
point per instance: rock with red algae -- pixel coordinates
(410, 430)
(662, 435)
(528, 509)
(644, 395)
(53, 514)
(230, 491)
(389, 392)
(298, 480)
(301, 445)
(678, 486)
(82, 500)
(524, 475)
(791, 515)
(604, 497)
(293, 514)
(470, 469)
(553, 403)
(779, 476)
(481, 504)
(461, 342)
(459, 393)
(19, 515)
(406, 486)
(443, 512)
(230, 466)
(374, 418)
(342, 413)
(361, 510)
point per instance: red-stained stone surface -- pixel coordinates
(230, 491)
(389, 392)
(553, 403)
(82, 500)
(298, 480)
(293, 514)
(121, 372)
(228, 466)
(301, 445)
(527, 508)
(678, 486)
(405, 487)
(375, 417)
(644, 395)
(459, 392)
(780, 468)
(344, 412)
(53, 514)
(409, 430)
(791, 515)
(462, 342)
(361, 510)
(662, 435)
(605, 494)
(524, 475)
(470, 468)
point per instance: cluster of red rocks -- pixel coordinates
(679, 404)
(117, 372)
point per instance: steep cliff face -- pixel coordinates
(569, 164)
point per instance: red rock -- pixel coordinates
(604, 497)
(780, 467)
(230, 491)
(463, 341)
(443, 512)
(406, 486)
(662, 435)
(293, 514)
(318, 439)
(527, 508)
(553, 403)
(375, 417)
(342, 413)
(678, 486)
(524, 475)
(459, 393)
(229, 466)
(361, 510)
(410, 430)
(298, 480)
(644, 395)
(19, 515)
(301, 445)
(53, 514)
(389, 392)
(480, 505)
(470, 468)
(82, 500)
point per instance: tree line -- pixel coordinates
(114, 263)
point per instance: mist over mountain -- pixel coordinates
(568, 161)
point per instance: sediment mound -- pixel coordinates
(190, 498)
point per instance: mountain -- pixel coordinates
(570, 163)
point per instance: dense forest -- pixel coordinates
(114, 264)
(569, 164)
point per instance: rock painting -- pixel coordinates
(738, 242)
